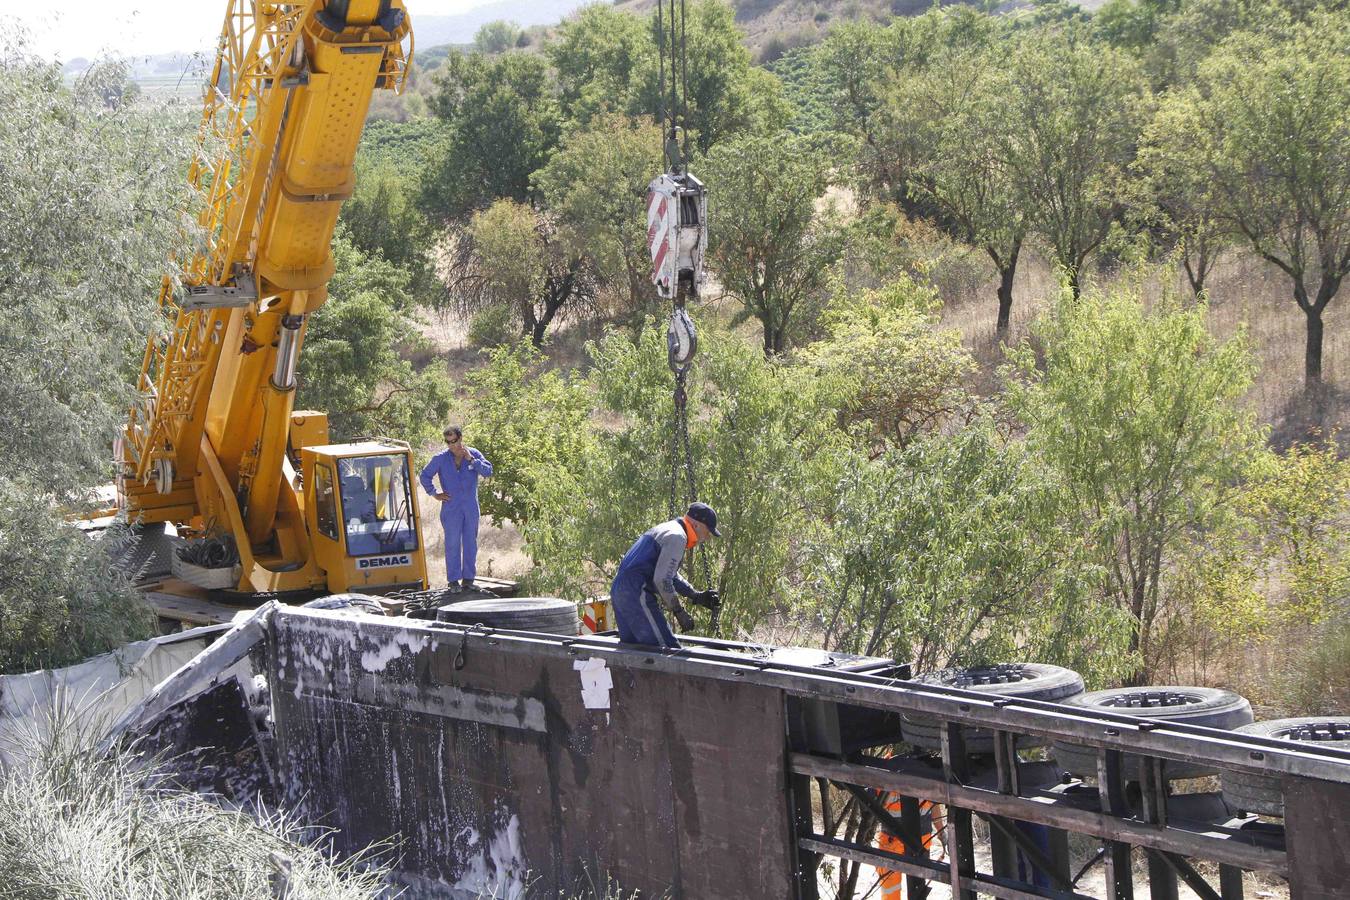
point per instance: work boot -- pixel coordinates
(467, 584)
(453, 587)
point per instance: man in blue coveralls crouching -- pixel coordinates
(650, 570)
(459, 467)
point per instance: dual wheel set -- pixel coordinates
(1208, 707)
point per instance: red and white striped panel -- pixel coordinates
(658, 226)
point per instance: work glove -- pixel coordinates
(682, 616)
(708, 599)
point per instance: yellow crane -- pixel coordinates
(209, 446)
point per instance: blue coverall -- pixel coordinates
(459, 514)
(648, 571)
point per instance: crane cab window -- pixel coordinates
(377, 505)
(325, 502)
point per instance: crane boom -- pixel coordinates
(207, 444)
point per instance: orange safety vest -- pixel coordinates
(931, 821)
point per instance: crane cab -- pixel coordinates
(362, 515)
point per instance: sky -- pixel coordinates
(74, 28)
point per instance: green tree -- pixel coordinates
(866, 63)
(497, 36)
(601, 56)
(501, 123)
(727, 96)
(607, 60)
(1264, 130)
(511, 255)
(951, 113)
(771, 248)
(94, 205)
(383, 218)
(1136, 413)
(533, 425)
(1175, 200)
(1132, 24)
(1072, 122)
(855, 57)
(595, 185)
(356, 360)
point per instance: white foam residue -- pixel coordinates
(386, 652)
(497, 870)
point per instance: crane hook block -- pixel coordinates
(681, 340)
(677, 233)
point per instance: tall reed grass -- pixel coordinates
(76, 824)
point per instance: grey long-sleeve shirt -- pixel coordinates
(653, 563)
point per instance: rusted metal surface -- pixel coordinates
(1317, 819)
(492, 770)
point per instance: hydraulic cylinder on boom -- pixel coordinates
(210, 445)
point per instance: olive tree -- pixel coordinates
(1263, 130)
(94, 203)
(512, 255)
(595, 185)
(1136, 413)
(1071, 118)
(93, 206)
(773, 247)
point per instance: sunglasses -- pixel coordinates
(451, 439)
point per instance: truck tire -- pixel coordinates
(1263, 794)
(1210, 707)
(1026, 681)
(547, 614)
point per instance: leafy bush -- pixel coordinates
(1135, 411)
(60, 599)
(948, 552)
(532, 425)
(895, 374)
(585, 462)
(492, 326)
(1317, 679)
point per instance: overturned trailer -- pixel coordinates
(500, 759)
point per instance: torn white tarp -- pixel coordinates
(596, 682)
(98, 690)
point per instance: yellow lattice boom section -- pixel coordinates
(282, 117)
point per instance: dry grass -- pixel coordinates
(78, 823)
(1243, 292)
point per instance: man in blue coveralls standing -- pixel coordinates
(650, 571)
(459, 467)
